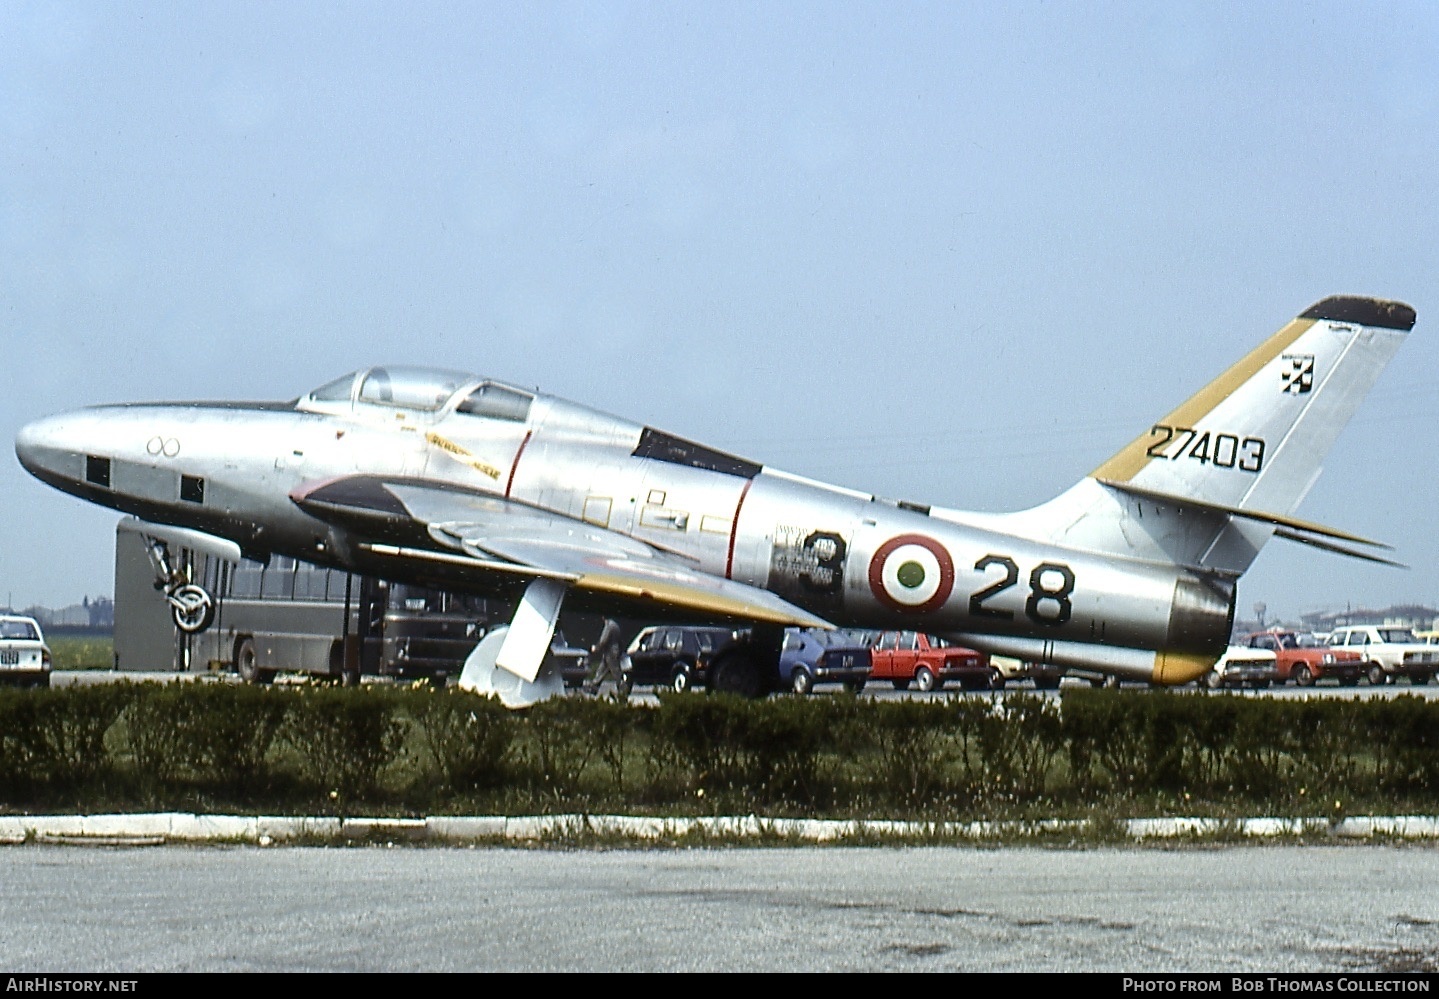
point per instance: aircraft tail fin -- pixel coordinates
(1208, 484)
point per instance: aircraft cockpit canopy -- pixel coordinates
(498, 402)
(411, 388)
(425, 390)
(336, 391)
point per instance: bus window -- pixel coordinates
(278, 581)
(417, 598)
(209, 573)
(245, 580)
(310, 582)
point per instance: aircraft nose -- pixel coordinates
(46, 448)
(30, 443)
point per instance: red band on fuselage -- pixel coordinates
(734, 530)
(514, 465)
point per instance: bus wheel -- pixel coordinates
(247, 664)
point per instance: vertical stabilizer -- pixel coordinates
(1209, 483)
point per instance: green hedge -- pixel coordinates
(400, 750)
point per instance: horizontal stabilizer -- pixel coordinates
(1278, 520)
(1313, 542)
(1290, 528)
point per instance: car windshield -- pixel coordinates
(22, 630)
(1396, 635)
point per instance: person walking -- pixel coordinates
(605, 660)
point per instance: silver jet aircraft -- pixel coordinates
(458, 481)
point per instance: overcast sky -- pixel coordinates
(955, 253)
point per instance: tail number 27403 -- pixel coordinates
(1224, 450)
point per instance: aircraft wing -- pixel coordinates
(488, 533)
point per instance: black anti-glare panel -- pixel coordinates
(665, 447)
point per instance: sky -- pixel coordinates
(951, 253)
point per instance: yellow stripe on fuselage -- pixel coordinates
(1127, 463)
(461, 454)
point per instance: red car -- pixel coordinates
(1304, 660)
(928, 661)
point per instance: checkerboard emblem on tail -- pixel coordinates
(1298, 375)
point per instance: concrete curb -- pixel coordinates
(150, 829)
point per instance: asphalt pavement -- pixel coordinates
(1272, 909)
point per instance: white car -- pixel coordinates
(1390, 652)
(1243, 666)
(1012, 670)
(24, 656)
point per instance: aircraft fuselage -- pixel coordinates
(421, 474)
(243, 472)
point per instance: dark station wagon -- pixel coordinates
(673, 656)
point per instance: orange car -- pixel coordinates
(929, 662)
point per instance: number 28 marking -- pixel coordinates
(1051, 584)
